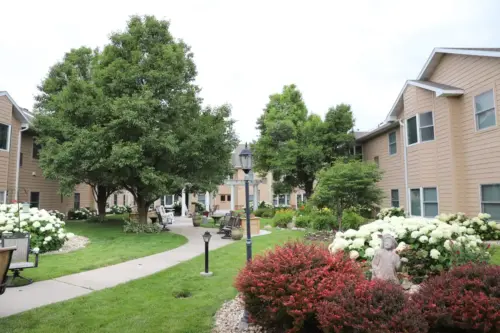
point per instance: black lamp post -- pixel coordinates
(206, 238)
(246, 165)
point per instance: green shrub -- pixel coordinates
(131, 226)
(303, 221)
(351, 220)
(282, 217)
(323, 221)
(264, 212)
(264, 204)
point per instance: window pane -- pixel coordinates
(394, 203)
(490, 192)
(35, 199)
(168, 200)
(201, 198)
(430, 209)
(430, 194)
(426, 119)
(427, 133)
(484, 101)
(392, 137)
(486, 119)
(4, 136)
(412, 130)
(493, 210)
(393, 149)
(415, 202)
(76, 201)
(394, 194)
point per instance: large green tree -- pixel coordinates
(144, 117)
(295, 145)
(348, 184)
(70, 109)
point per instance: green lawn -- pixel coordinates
(148, 304)
(108, 245)
(495, 255)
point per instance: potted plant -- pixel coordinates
(196, 220)
(236, 234)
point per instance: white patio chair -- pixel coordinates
(20, 257)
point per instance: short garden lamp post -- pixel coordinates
(246, 165)
(206, 239)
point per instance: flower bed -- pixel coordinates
(431, 244)
(80, 214)
(47, 231)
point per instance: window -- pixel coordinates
(394, 198)
(282, 200)
(115, 199)
(228, 197)
(490, 200)
(4, 137)
(411, 129)
(431, 208)
(393, 149)
(124, 199)
(76, 201)
(3, 197)
(415, 202)
(21, 160)
(35, 199)
(223, 197)
(426, 126)
(36, 150)
(484, 106)
(421, 128)
(162, 200)
(169, 200)
(201, 198)
(375, 159)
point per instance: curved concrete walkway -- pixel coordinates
(16, 300)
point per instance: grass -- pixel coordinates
(108, 245)
(495, 257)
(150, 304)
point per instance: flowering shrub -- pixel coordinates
(283, 287)
(58, 214)
(370, 307)
(132, 226)
(282, 217)
(481, 224)
(428, 241)
(47, 232)
(465, 299)
(389, 212)
(119, 209)
(80, 214)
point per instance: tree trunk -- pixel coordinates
(101, 201)
(142, 209)
(339, 216)
(308, 188)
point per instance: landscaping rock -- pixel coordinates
(320, 236)
(228, 318)
(72, 244)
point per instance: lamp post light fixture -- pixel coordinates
(206, 238)
(246, 165)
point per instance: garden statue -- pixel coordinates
(386, 261)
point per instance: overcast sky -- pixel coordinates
(355, 52)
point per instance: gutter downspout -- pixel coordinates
(24, 127)
(405, 155)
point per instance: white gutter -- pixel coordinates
(405, 155)
(24, 127)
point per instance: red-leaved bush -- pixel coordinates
(282, 288)
(370, 307)
(465, 299)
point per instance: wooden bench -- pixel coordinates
(234, 223)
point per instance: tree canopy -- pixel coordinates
(348, 184)
(295, 145)
(133, 114)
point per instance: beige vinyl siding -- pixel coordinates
(392, 165)
(6, 117)
(480, 154)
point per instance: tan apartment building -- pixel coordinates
(439, 146)
(21, 178)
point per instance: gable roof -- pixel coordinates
(429, 68)
(18, 111)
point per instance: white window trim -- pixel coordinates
(481, 196)
(419, 135)
(422, 212)
(278, 200)
(394, 143)
(4, 197)
(9, 134)
(476, 125)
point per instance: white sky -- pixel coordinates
(356, 52)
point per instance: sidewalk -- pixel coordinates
(38, 294)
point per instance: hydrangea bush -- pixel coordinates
(80, 214)
(47, 231)
(58, 214)
(119, 209)
(389, 212)
(431, 242)
(481, 224)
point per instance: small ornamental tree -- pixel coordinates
(348, 184)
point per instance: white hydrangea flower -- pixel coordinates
(370, 252)
(36, 224)
(48, 238)
(350, 233)
(470, 231)
(423, 239)
(492, 224)
(357, 243)
(354, 255)
(483, 228)
(35, 250)
(447, 245)
(434, 254)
